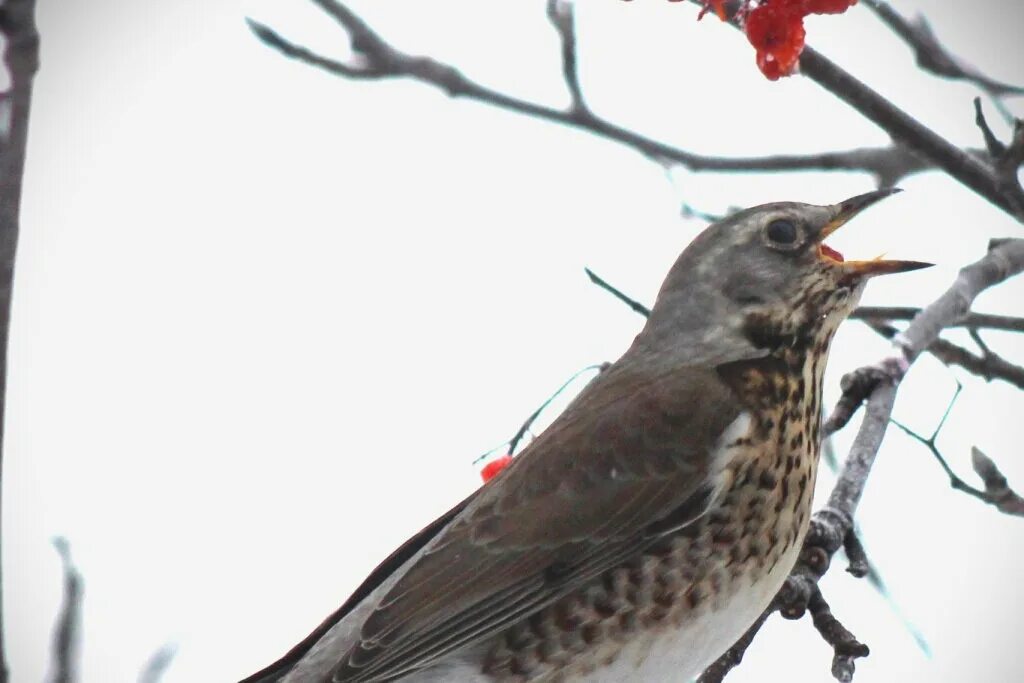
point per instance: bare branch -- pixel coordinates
(21, 60)
(271, 38)
(909, 132)
(561, 15)
(66, 633)
(858, 559)
(156, 666)
(954, 481)
(734, 655)
(379, 60)
(856, 387)
(510, 446)
(997, 489)
(995, 148)
(629, 301)
(931, 55)
(971, 320)
(513, 443)
(990, 366)
(1005, 259)
(846, 647)
(1006, 159)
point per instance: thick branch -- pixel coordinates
(907, 131)
(378, 59)
(21, 59)
(990, 365)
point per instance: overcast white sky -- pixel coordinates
(265, 319)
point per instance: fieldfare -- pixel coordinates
(647, 528)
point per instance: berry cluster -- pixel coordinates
(776, 29)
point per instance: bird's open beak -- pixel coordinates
(846, 210)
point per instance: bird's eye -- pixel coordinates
(782, 232)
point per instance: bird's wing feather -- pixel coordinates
(631, 451)
(392, 563)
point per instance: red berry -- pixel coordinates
(777, 32)
(491, 469)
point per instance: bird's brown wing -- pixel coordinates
(630, 452)
(392, 563)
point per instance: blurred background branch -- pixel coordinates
(20, 42)
(67, 630)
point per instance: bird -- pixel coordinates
(642, 533)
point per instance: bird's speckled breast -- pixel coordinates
(668, 613)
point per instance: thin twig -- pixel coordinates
(1006, 159)
(858, 559)
(66, 633)
(157, 664)
(931, 55)
(997, 489)
(971, 320)
(954, 481)
(846, 647)
(561, 13)
(512, 444)
(21, 60)
(629, 301)
(995, 148)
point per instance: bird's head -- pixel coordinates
(764, 278)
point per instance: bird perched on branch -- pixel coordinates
(648, 527)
